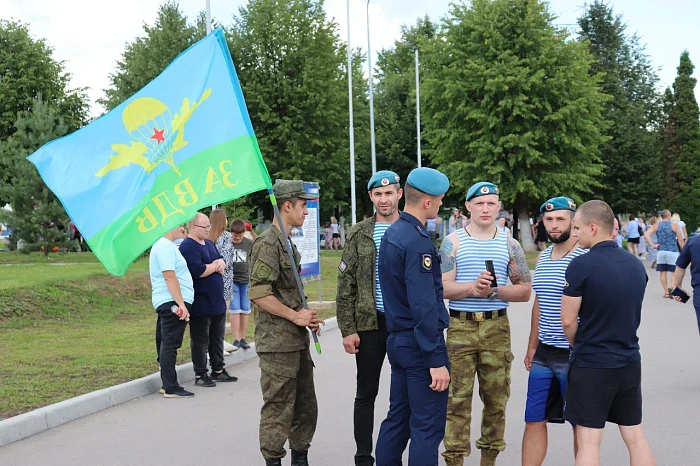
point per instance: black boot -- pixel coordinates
(274, 462)
(300, 458)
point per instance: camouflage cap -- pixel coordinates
(287, 189)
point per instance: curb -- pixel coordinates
(42, 419)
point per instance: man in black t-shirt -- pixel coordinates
(601, 311)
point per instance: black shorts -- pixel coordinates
(633, 240)
(594, 396)
(336, 235)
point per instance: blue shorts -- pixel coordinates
(240, 304)
(546, 385)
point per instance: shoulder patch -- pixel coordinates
(343, 266)
(426, 262)
(261, 271)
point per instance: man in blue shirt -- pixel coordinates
(172, 287)
(411, 284)
(690, 255)
(208, 314)
(601, 311)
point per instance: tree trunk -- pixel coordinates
(525, 233)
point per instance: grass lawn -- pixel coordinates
(67, 327)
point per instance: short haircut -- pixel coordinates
(237, 226)
(631, 216)
(599, 213)
(665, 213)
(413, 195)
(293, 200)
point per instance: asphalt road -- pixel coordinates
(220, 425)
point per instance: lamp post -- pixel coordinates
(352, 130)
(371, 96)
(418, 110)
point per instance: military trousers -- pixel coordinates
(416, 412)
(480, 349)
(290, 410)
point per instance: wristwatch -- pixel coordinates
(494, 294)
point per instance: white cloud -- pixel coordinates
(90, 35)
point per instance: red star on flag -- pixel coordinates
(158, 135)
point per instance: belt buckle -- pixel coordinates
(479, 316)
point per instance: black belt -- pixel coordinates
(478, 316)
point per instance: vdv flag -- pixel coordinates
(181, 143)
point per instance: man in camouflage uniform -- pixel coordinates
(478, 338)
(289, 409)
(360, 308)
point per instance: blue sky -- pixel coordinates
(90, 34)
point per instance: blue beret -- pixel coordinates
(558, 203)
(382, 178)
(482, 188)
(429, 181)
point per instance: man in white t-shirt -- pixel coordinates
(172, 296)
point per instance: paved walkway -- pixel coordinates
(220, 425)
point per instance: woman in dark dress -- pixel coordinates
(541, 238)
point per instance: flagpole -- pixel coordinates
(208, 17)
(371, 98)
(290, 254)
(352, 131)
(418, 111)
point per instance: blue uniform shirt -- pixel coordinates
(411, 281)
(690, 255)
(611, 283)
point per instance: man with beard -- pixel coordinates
(360, 307)
(547, 357)
(478, 337)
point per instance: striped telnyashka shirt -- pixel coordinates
(470, 262)
(548, 283)
(379, 230)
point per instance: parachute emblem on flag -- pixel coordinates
(156, 133)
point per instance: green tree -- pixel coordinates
(632, 176)
(669, 152)
(687, 124)
(510, 100)
(395, 99)
(291, 66)
(28, 69)
(146, 57)
(37, 216)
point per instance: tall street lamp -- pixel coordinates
(371, 97)
(352, 131)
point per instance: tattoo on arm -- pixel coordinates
(447, 260)
(518, 270)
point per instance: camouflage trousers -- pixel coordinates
(481, 349)
(289, 409)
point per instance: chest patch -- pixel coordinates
(426, 262)
(343, 266)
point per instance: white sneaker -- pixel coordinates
(228, 347)
(226, 353)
